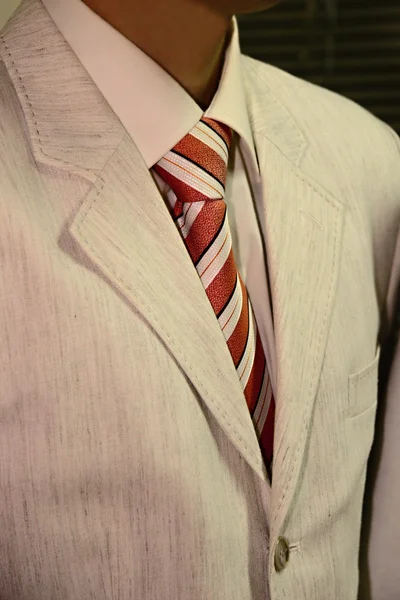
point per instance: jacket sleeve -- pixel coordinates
(380, 540)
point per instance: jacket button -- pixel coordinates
(282, 552)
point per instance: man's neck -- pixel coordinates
(182, 36)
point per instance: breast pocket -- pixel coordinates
(362, 405)
(363, 389)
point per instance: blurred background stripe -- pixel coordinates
(349, 46)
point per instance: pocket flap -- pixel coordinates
(363, 387)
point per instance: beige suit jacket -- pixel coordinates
(129, 466)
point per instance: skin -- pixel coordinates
(185, 37)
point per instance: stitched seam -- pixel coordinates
(33, 114)
(181, 356)
(324, 196)
(299, 146)
(355, 379)
(352, 417)
(304, 423)
(311, 218)
(353, 384)
(303, 143)
(367, 374)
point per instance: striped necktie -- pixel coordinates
(196, 169)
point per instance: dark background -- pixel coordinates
(349, 46)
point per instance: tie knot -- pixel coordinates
(196, 167)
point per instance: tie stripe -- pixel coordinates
(226, 277)
(216, 167)
(260, 413)
(190, 213)
(223, 132)
(252, 389)
(212, 262)
(240, 335)
(196, 169)
(203, 134)
(192, 177)
(205, 229)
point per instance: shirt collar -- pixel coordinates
(229, 105)
(154, 108)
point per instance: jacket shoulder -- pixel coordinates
(311, 103)
(337, 131)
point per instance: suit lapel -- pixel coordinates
(127, 231)
(123, 225)
(303, 242)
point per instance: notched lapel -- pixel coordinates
(303, 237)
(125, 229)
(123, 225)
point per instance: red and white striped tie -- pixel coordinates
(196, 169)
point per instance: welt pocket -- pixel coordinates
(363, 388)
